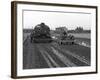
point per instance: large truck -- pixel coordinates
(65, 39)
(41, 34)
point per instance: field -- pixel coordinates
(51, 55)
(25, 35)
(84, 38)
(81, 35)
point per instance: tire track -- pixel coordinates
(62, 57)
(52, 60)
(73, 55)
(50, 52)
(48, 58)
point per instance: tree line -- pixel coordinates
(79, 30)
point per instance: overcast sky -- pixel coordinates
(56, 19)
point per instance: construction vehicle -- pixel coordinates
(65, 39)
(41, 34)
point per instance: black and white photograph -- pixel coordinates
(55, 39)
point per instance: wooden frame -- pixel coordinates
(14, 36)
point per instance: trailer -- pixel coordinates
(66, 39)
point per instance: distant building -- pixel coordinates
(62, 29)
